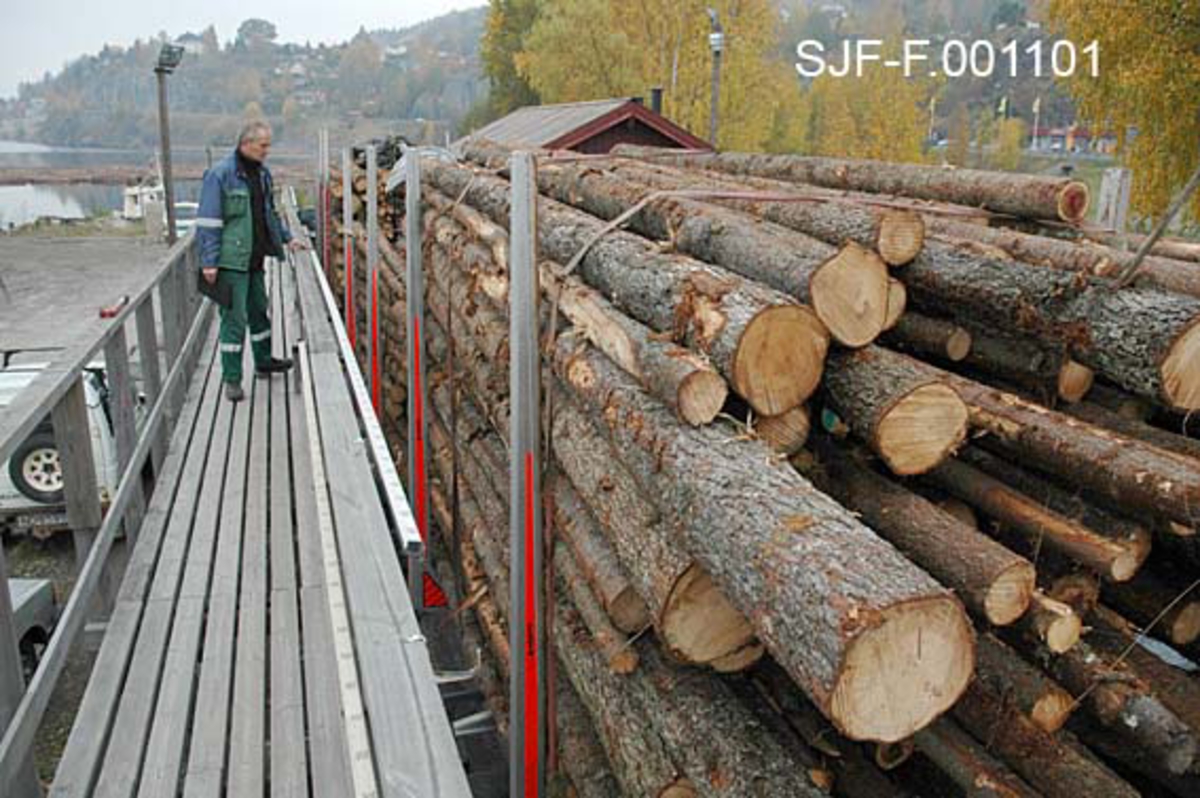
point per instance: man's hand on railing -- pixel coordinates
(210, 274)
(297, 245)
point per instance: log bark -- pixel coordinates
(1023, 515)
(831, 601)
(1127, 472)
(770, 348)
(1002, 674)
(926, 335)
(1137, 429)
(622, 658)
(1055, 764)
(683, 379)
(846, 287)
(1143, 340)
(1145, 600)
(1047, 373)
(695, 622)
(992, 581)
(1026, 196)
(785, 433)
(1135, 537)
(967, 764)
(1075, 256)
(904, 410)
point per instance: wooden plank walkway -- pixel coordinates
(219, 674)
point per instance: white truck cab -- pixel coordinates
(31, 482)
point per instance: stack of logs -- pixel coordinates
(858, 484)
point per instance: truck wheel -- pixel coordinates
(36, 469)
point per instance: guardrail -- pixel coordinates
(58, 392)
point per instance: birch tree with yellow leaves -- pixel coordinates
(1148, 88)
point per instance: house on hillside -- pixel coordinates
(588, 127)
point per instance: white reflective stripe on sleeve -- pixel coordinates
(203, 221)
(262, 336)
(231, 347)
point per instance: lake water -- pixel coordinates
(24, 204)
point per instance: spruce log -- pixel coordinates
(846, 287)
(1028, 196)
(926, 335)
(1001, 673)
(695, 622)
(683, 379)
(1028, 517)
(1146, 341)
(615, 647)
(1129, 473)
(897, 234)
(579, 751)
(1145, 599)
(770, 348)
(992, 581)
(1022, 362)
(903, 409)
(1076, 256)
(877, 645)
(785, 433)
(967, 764)
(1051, 623)
(1130, 534)
(1136, 428)
(1055, 764)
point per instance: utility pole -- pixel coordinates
(716, 41)
(168, 58)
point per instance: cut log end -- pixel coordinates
(1055, 624)
(1125, 565)
(922, 429)
(1180, 371)
(680, 789)
(850, 295)
(739, 660)
(958, 345)
(1184, 628)
(901, 236)
(699, 625)
(780, 358)
(897, 301)
(702, 394)
(1073, 202)
(1052, 710)
(904, 671)
(1009, 596)
(628, 611)
(1074, 381)
(787, 432)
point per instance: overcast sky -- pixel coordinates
(41, 35)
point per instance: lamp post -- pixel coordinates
(168, 59)
(716, 41)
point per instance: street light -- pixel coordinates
(716, 41)
(168, 59)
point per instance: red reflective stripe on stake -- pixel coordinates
(419, 424)
(350, 325)
(375, 357)
(531, 641)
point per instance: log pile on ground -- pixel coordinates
(804, 540)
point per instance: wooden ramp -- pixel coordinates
(260, 611)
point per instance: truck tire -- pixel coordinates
(36, 470)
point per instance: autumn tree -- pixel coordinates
(958, 147)
(1147, 88)
(1010, 140)
(508, 23)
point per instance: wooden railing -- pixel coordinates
(58, 393)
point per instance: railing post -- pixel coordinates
(73, 436)
(373, 354)
(121, 402)
(348, 250)
(418, 474)
(1113, 208)
(527, 676)
(147, 341)
(12, 687)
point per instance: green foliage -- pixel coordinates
(508, 24)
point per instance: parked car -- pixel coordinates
(31, 482)
(34, 615)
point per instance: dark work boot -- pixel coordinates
(234, 392)
(275, 365)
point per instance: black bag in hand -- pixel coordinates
(219, 291)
